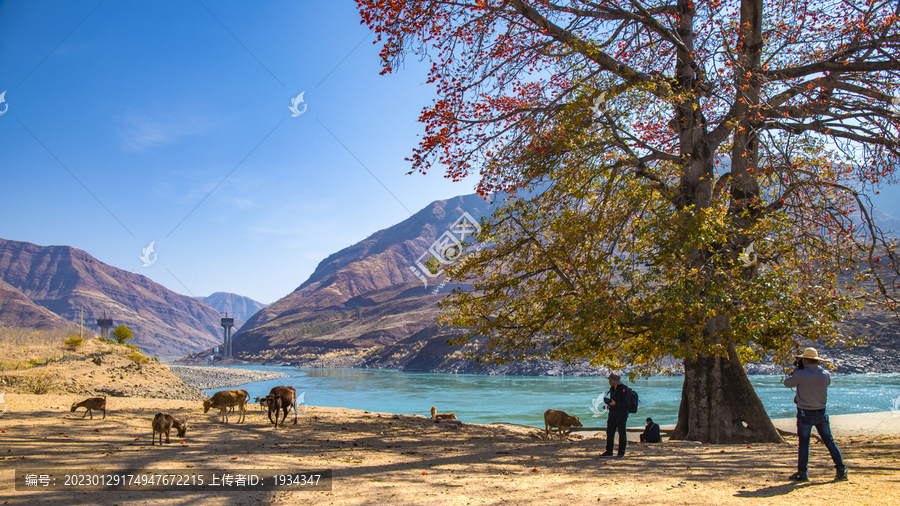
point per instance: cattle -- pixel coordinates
(163, 423)
(282, 398)
(263, 402)
(441, 416)
(226, 399)
(89, 405)
(559, 419)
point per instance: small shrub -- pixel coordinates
(36, 362)
(73, 343)
(38, 384)
(138, 357)
(121, 334)
(10, 365)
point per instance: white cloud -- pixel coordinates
(244, 203)
(141, 132)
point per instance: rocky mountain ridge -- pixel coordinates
(62, 280)
(373, 293)
(236, 306)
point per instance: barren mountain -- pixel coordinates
(64, 280)
(235, 305)
(16, 310)
(367, 294)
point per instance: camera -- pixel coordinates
(798, 363)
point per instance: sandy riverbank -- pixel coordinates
(380, 458)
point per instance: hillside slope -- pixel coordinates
(64, 280)
(366, 294)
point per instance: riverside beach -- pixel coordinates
(381, 458)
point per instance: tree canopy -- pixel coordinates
(682, 178)
(121, 334)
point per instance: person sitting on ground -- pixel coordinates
(651, 432)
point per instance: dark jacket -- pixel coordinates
(618, 394)
(651, 433)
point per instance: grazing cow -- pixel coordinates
(163, 423)
(226, 399)
(559, 419)
(89, 405)
(263, 402)
(282, 398)
(441, 416)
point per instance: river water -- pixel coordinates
(523, 399)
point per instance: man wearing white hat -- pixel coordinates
(812, 395)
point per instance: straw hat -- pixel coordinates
(811, 354)
(615, 378)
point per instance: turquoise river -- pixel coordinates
(523, 399)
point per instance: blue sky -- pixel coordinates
(168, 122)
(132, 122)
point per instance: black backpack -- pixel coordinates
(633, 400)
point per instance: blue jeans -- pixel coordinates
(806, 420)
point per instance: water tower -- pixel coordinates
(104, 324)
(227, 323)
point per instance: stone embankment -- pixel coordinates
(220, 377)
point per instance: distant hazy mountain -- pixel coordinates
(366, 294)
(237, 306)
(887, 222)
(63, 280)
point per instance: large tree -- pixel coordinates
(685, 179)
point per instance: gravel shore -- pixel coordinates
(220, 377)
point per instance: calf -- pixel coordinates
(559, 419)
(163, 423)
(441, 416)
(89, 405)
(263, 402)
(282, 398)
(226, 399)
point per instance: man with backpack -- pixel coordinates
(651, 432)
(617, 403)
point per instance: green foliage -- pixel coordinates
(138, 357)
(602, 266)
(121, 334)
(73, 343)
(359, 311)
(37, 362)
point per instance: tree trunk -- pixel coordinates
(719, 405)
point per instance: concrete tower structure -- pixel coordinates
(104, 323)
(227, 323)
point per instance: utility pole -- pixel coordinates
(82, 322)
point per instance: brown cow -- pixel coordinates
(559, 419)
(226, 399)
(163, 423)
(282, 398)
(441, 416)
(89, 405)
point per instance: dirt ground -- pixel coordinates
(379, 458)
(98, 368)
